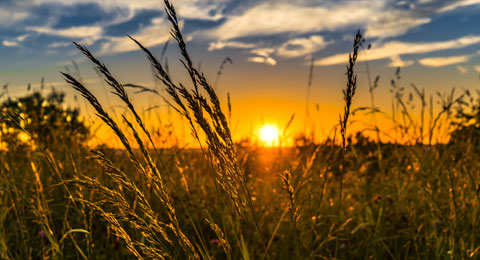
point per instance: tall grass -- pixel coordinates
(348, 94)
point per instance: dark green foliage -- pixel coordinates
(44, 118)
(467, 124)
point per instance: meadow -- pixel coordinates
(353, 196)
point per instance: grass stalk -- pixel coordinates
(348, 94)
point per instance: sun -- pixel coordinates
(269, 135)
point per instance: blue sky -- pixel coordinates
(265, 31)
(437, 43)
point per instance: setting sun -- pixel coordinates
(269, 135)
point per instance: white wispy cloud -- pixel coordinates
(392, 49)
(120, 11)
(274, 18)
(12, 16)
(8, 43)
(265, 52)
(22, 38)
(378, 17)
(263, 55)
(200, 9)
(189, 9)
(393, 24)
(396, 61)
(14, 42)
(292, 48)
(266, 60)
(71, 32)
(15, 13)
(462, 69)
(443, 61)
(458, 3)
(86, 34)
(230, 44)
(59, 44)
(155, 33)
(302, 46)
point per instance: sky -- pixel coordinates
(271, 44)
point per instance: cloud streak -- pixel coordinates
(393, 49)
(266, 60)
(12, 16)
(8, 43)
(462, 69)
(71, 32)
(443, 61)
(292, 48)
(302, 46)
(154, 34)
(378, 18)
(456, 4)
(270, 18)
(230, 44)
(300, 25)
(187, 9)
(24, 14)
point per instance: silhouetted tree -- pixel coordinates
(43, 119)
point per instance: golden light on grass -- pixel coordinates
(23, 137)
(269, 135)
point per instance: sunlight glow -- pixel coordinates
(23, 137)
(269, 135)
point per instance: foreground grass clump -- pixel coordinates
(347, 199)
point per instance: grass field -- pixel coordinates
(352, 196)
